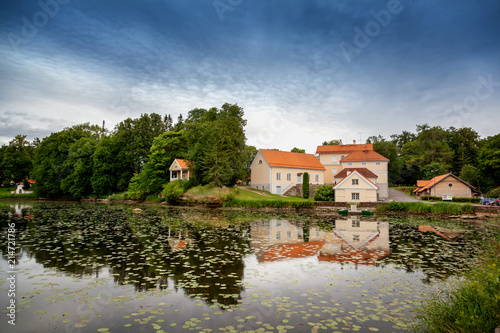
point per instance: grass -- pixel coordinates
(472, 304)
(244, 198)
(421, 207)
(5, 194)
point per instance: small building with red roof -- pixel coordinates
(356, 186)
(179, 169)
(278, 171)
(447, 185)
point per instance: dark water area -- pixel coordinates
(106, 268)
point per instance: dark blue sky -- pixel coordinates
(304, 71)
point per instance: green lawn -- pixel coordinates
(242, 192)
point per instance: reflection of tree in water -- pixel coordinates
(20, 216)
(420, 250)
(146, 250)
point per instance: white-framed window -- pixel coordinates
(355, 181)
(350, 163)
(289, 235)
(364, 163)
(316, 178)
(355, 223)
(174, 175)
(334, 159)
(354, 196)
(278, 175)
(289, 177)
(317, 232)
(378, 163)
(278, 235)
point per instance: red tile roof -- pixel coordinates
(364, 156)
(362, 171)
(431, 183)
(182, 163)
(342, 149)
(291, 160)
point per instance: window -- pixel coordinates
(278, 175)
(278, 235)
(289, 177)
(364, 163)
(260, 161)
(450, 184)
(355, 238)
(174, 175)
(289, 235)
(378, 163)
(355, 182)
(334, 171)
(355, 223)
(355, 196)
(317, 232)
(342, 157)
(350, 163)
(316, 178)
(334, 159)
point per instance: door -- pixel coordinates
(278, 190)
(299, 178)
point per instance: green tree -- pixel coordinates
(155, 174)
(465, 144)
(489, 162)
(298, 150)
(470, 174)
(305, 185)
(433, 170)
(250, 153)
(216, 141)
(18, 159)
(331, 143)
(389, 150)
(51, 166)
(324, 193)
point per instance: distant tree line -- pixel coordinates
(88, 160)
(433, 151)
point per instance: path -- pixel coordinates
(249, 190)
(400, 196)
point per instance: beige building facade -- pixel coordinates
(355, 188)
(447, 185)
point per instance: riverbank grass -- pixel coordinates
(421, 207)
(5, 193)
(471, 305)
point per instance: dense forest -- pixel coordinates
(90, 161)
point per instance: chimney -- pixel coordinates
(354, 141)
(366, 149)
(340, 141)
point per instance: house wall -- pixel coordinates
(331, 162)
(343, 193)
(458, 189)
(380, 168)
(260, 173)
(285, 184)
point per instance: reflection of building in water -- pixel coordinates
(352, 240)
(18, 209)
(447, 234)
(178, 240)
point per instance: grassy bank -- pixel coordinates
(244, 197)
(421, 207)
(470, 305)
(5, 193)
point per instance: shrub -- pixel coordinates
(494, 193)
(324, 193)
(305, 186)
(174, 190)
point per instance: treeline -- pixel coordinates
(433, 151)
(88, 160)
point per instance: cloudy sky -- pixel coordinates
(304, 71)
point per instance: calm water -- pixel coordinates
(88, 268)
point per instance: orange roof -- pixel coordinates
(364, 155)
(362, 171)
(300, 250)
(436, 180)
(342, 149)
(291, 160)
(362, 257)
(422, 183)
(182, 163)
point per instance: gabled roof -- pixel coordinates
(436, 180)
(182, 163)
(342, 149)
(363, 171)
(355, 172)
(364, 156)
(286, 159)
(422, 183)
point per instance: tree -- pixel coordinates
(155, 174)
(305, 186)
(470, 174)
(331, 143)
(250, 153)
(324, 193)
(18, 159)
(489, 162)
(389, 150)
(433, 170)
(298, 150)
(51, 166)
(465, 144)
(216, 142)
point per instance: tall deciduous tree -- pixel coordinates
(489, 162)
(18, 159)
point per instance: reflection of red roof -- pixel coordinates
(31, 181)
(300, 250)
(362, 257)
(342, 149)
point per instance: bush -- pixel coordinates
(420, 207)
(174, 190)
(494, 193)
(305, 186)
(324, 193)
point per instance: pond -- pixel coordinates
(109, 268)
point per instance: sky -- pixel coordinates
(304, 71)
